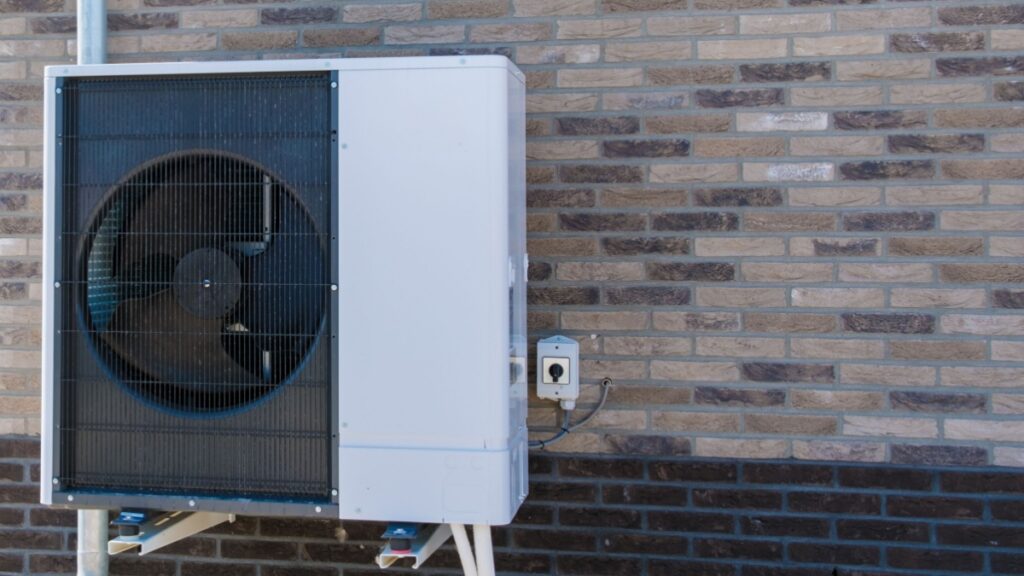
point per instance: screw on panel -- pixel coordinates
(58, 90)
(71, 498)
(56, 284)
(334, 287)
(334, 84)
(56, 481)
(334, 492)
(318, 509)
(192, 503)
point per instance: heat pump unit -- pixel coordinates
(287, 288)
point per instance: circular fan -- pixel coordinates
(205, 282)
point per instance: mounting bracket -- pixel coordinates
(427, 541)
(166, 529)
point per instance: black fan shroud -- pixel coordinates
(205, 289)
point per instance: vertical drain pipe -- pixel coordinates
(92, 524)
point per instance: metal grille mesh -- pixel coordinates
(194, 308)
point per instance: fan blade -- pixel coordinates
(159, 338)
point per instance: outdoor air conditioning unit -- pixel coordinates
(287, 288)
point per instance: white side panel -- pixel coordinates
(49, 234)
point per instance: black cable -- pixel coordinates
(567, 427)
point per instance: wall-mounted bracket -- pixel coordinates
(427, 541)
(166, 529)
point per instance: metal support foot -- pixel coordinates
(166, 529)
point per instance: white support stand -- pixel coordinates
(167, 529)
(425, 544)
(92, 543)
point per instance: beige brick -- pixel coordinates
(363, 13)
(887, 375)
(519, 32)
(836, 348)
(19, 315)
(20, 358)
(984, 430)
(937, 350)
(886, 273)
(856, 96)
(1007, 143)
(457, 9)
(554, 7)
(741, 347)
(739, 147)
(647, 346)
(606, 271)
(823, 197)
(604, 320)
(696, 321)
(691, 26)
(624, 197)
(1010, 39)
(837, 146)
(13, 70)
(884, 70)
(937, 298)
(1006, 246)
(571, 102)
(788, 272)
(561, 246)
(838, 297)
(20, 405)
(790, 424)
(1006, 456)
(614, 369)
(695, 422)
(273, 40)
(778, 24)
(884, 19)
(540, 222)
(31, 48)
(781, 121)
(933, 195)
(600, 77)
(737, 448)
(982, 377)
(839, 451)
(740, 247)
(219, 18)
(13, 246)
(1008, 403)
(178, 42)
(682, 173)
(424, 34)
(13, 26)
(789, 222)
(618, 419)
(21, 138)
(741, 49)
(838, 401)
(839, 45)
(560, 54)
(788, 172)
(729, 297)
(1008, 350)
(983, 325)
(694, 371)
(891, 427)
(562, 149)
(1000, 194)
(936, 93)
(969, 220)
(679, 124)
(603, 28)
(639, 51)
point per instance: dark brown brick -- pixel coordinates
(15, 517)
(644, 495)
(740, 98)
(338, 552)
(796, 72)
(564, 198)
(302, 571)
(975, 15)
(887, 170)
(785, 526)
(940, 144)
(830, 2)
(1012, 510)
(882, 530)
(598, 126)
(7, 6)
(833, 554)
(1008, 298)
(812, 475)
(645, 544)
(690, 75)
(562, 492)
(786, 372)
(835, 503)
(687, 472)
(1008, 563)
(939, 455)
(648, 296)
(593, 468)
(983, 482)
(341, 37)
(602, 221)
(600, 174)
(937, 42)
(936, 402)
(868, 247)
(18, 494)
(17, 92)
(54, 25)
(936, 246)
(992, 66)
(648, 445)
(41, 563)
(259, 549)
(142, 21)
(923, 559)
(52, 517)
(642, 5)
(738, 396)
(981, 273)
(658, 567)
(881, 119)
(30, 539)
(1009, 91)
(562, 296)
(645, 148)
(981, 536)
(691, 272)
(21, 181)
(747, 549)
(889, 323)
(303, 15)
(554, 540)
(598, 517)
(690, 522)
(888, 221)
(636, 246)
(686, 221)
(531, 514)
(299, 527)
(176, 2)
(731, 499)
(125, 565)
(598, 566)
(934, 507)
(216, 569)
(539, 271)
(761, 197)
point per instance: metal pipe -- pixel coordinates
(92, 543)
(484, 550)
(465, 549)
(92, 31)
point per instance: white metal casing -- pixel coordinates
(432, 272)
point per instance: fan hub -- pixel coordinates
(207, 283)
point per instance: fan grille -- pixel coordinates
(195, 301)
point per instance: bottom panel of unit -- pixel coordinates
(433, 486)
(247, 507)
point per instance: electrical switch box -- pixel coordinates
(558, 370)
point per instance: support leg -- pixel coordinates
(92, 543)
(484, 550)
(464, 548)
